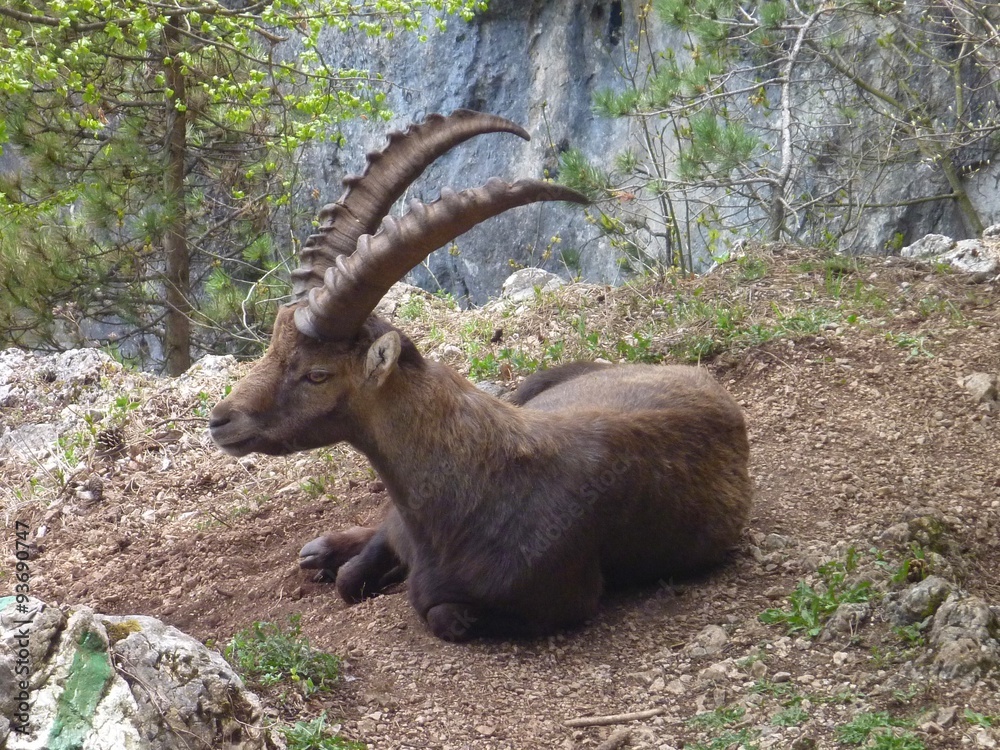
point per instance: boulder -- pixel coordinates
(964, 637)
(919, 601)
(928, 246)
(520, 286)
(71, 678)
(980, 257)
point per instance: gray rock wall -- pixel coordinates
(539, 62)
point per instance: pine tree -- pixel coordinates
(149, 157)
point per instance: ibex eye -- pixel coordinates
(317, 376)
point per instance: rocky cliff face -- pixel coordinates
(539, 62)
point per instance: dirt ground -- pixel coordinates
(858, 421)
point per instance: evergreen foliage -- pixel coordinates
(783, 120)
(147, 177)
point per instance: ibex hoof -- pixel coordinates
(452, 622)
(317, 554)
(328, 552)
(353, 584)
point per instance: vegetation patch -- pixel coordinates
(809, 607)
(315, 735)
(272, 655)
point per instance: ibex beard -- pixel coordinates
(507, 518)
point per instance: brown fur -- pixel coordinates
(509, 518)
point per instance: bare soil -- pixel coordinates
(858, 421)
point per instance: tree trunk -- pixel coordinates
(177, 341)
(970, 216)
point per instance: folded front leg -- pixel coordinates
(329, 552)
(378, 565)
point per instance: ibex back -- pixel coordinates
(507, 518)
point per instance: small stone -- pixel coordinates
(676, 687)
(983, 739)
(898, 533)
(780, 677)
(710, 640)
(775, 592)
(646, 678)
(776, 542)
(946, 716)
(718, 672)
(844, 623)
(982, 386)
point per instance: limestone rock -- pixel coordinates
(398, 293)
(31, 442)
(920, 601)
(211, 371)
(710, 640)
(964, 635)
(73, 678)
(980, 257)
(982, 386)
(521, 285)
(928, 246)
(974, 256)
(844, 623)
(719, 672)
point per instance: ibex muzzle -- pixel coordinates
(507, 518)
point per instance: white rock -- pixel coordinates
(972, 256)
(520, 286)
(928, 246)
(710, 640)
(32, 442)
(982, 386)
(398, 293)
(967, 256)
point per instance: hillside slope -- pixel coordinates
(875, 463)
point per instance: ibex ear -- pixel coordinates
(382, 358)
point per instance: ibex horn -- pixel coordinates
(352, 288)
(388, 174)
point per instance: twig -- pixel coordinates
(599, 721)
(616, 740)
(168, 420)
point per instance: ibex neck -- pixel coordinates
(435, 433)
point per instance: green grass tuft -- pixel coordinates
(271, 655)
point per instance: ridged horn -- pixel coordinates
(357, 282)
(388, 173)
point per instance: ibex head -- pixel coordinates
(331, 360)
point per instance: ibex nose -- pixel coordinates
(216, 421)
(220, 416)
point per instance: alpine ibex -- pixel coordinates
(507, 518)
